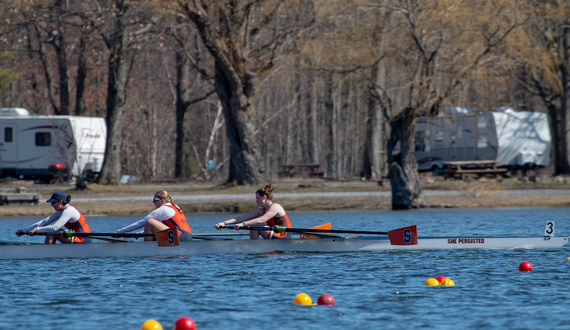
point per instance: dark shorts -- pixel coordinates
(185, 236)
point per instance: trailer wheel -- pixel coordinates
(435, 170)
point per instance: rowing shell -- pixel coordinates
(246, 246)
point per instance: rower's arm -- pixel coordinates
(158, 214)
(43, 224)
(60, 218)
(274, 210)
(37, 224)
(256, 213)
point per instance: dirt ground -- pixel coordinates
(474, 194)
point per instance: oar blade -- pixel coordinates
(404, 236)
(168, 237)
(325, 226)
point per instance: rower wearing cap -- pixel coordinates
(268, 214)
(166, 215)
(66, 216)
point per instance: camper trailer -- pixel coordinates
(514, 139)
(47, 147)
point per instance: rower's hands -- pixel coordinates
(31, 232)
(220, 225)
(237, 226)
(20, 232)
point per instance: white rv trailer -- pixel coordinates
(514, 139)
(41, 147)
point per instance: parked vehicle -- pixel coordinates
(514, 139)
(50, 147)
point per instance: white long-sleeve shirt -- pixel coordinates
(161, 213)
(57, 220)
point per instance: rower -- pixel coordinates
(66, 216)
(166, 215)
(268, 214)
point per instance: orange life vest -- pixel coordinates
(178, 220)
(284, 221)
(79, 226)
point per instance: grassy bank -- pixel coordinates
(478, 194)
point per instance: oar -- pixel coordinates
(400, 236)
(167, 237)
(69, 234)
(220, 234)
(109, 239)
(281, 229)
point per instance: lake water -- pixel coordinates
(372, 290)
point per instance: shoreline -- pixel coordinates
(294, 196)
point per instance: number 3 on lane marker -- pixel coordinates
(549, 230)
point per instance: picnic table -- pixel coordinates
(291, 170)
(477, 167)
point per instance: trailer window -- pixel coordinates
(8, 134)
(439, 136)
(43, 139)
(459, 131)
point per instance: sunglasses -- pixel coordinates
(154, 200)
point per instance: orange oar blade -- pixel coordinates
(168, 237)
(404, 236)
(325, 226)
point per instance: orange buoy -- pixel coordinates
(151, 325)
(303, 299)
(431, 282)
(447, 282)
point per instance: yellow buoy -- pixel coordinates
(568, 258)
(303, 299)
(431, 282)
(447, 282)
(151, 325)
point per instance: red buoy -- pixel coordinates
(185, 323)
(325, 299)
(440, 278)
(525, 266)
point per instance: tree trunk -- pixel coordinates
(315, 136)
(235, 87)
(181, 75)
(81, 76)
(556, 121)
(374, 143)
(406, 185)
(245, 161)
(120, 61)
(565, 99)
(60, 51)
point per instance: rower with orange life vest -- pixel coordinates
(166, 215)
(268, 214)
(66, 216)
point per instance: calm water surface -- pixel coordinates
(372, 290)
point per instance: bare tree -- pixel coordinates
(537, 58)
(244, 38)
